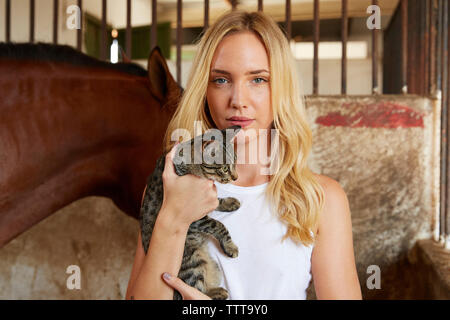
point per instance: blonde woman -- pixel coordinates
(297, 224)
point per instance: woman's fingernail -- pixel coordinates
(167, 276)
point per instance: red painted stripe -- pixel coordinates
(376, 115)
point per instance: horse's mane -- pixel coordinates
(63, 53)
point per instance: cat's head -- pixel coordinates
(208, 158)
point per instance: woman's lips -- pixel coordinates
(242, 123)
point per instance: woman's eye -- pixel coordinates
(263, 80)
(218, 79)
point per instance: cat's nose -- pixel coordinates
(234, 176)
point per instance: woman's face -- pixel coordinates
(239, 84)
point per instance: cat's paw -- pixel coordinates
(217, 293)
(230, 249)
(228, 204)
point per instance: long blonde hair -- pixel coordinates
(293, 191)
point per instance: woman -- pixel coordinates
(244, 68)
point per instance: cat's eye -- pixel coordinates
(224, 169)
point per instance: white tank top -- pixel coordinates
(265, 268)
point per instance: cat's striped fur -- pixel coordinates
(197, 268)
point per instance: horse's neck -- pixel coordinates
(91, 137)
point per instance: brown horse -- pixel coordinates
(72, 126)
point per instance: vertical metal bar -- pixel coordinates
(439, 50)
(404, 12)
(103, 36)
(316, 47)
(375, 56)
(206, 15)
(79, 31)
(179, 39)
(8, 20)
(129, 35)
(423, 36)
(288, 19)
(32, 10)
(433, 31)
(55, 21)
(427, 47)
(447, 213)
(443, 176)
(260, 5)
(445, 103)
(153, 36)
(344, 27)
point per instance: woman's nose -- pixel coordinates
(239, 96)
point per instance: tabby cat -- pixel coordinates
(197, 268)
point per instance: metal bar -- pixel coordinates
(55, 21)
(445, 100)
(153, 36)
(103, 36)
(32, 11)
(260, 5)
(8, 20)
(316, 47)
(439, 50)
(129, 34)
(427, 46)
(443, 175)
(288, 23)
(404, 12)
(424, 47)
(375, 56)
(79, 31)
(433, 31)
(344, 27)
(206, 15)
(179, 39)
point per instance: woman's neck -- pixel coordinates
(252, 162)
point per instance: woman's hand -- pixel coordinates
(186, 198)
(186, 291)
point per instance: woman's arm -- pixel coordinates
(186, 199)
(164, 254)
(332, 261)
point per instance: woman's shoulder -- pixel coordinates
(336, 204)
(328, 184)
